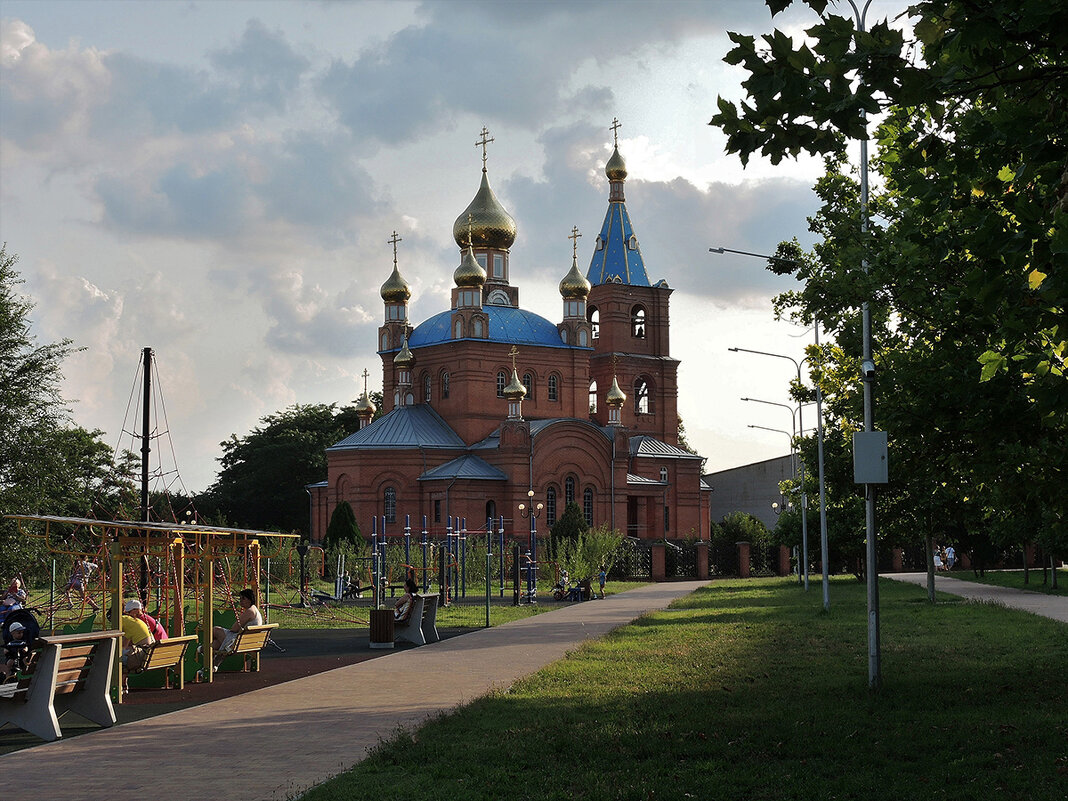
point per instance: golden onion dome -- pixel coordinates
(491, 226)
(616, 168)
(396, 289)
(470, 272)
(364, 405)
(615, 396)
(515, 389)
(404, 357)
(574, 285)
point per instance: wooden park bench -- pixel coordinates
(71, 673)
(421, 625)
(168, 655)
(249, 642)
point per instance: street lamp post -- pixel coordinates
(793, 464)
(532, 512)
(800, 422)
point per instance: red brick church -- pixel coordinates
(486, 401)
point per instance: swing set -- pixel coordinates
(176, 565)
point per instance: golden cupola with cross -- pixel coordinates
(395, 295)
(491, 231)
(575, 329)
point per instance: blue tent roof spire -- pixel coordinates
(617, 258)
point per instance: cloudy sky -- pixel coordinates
(218, 180)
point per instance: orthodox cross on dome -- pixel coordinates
(615, 358)
(482, 142)
(513, 353)
(393, 240)
(365, 375)
(574, 237)
(615, 126)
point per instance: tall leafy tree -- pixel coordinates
(264, 473)
(966, 256)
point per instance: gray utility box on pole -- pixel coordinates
(869, 458)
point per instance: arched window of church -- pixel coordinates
(426, 388)
(643, 403)
(385, 341)
(502, 382)
(637, 322)
(550, 506)
(554, 388)
(491, 512)
(594, 318)
(477, 326)
(583, 341)
(444, 385)
(389, 502)
(663, 474)
(458, 332)
(593, 397)
(528, 382)
(587, 505)
(569, 490)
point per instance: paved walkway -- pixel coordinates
(275, 742)
(1051, 606)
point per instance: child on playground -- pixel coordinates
(402, 610)
(79, 577)
(602, 577)
(15, 652)
(222, 640)
(134, 609)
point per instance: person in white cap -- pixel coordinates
(15, 652)
(135, 609)
(136, 640)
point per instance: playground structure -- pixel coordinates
(193, 558)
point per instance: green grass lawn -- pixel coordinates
(748, 690)
(1015, 579)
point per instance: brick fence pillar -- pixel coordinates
(784, 560)
(743, 559)
(659, 568)
(702, 560)
(897, 564)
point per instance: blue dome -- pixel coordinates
(506, 324)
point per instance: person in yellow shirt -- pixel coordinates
(136, 640)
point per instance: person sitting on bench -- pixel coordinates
(402, 610)
(134, 609)
(136, 640)
(222, 640)
(16, 652)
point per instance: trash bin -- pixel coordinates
(381, 628)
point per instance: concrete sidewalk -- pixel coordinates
(278, 741)
(1038, 603)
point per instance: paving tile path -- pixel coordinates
(1039, 603)
(278, 741)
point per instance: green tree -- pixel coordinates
(264, 474)
(585, 554)
(967, 297)
(567, 528)
(343, 527)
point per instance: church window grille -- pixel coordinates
(569, 490)
(502, 382)
(637, 322)
(444, 385)
(554, 388)
(389, 502)
(550, 506)
(587, 505)
(426, 389)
